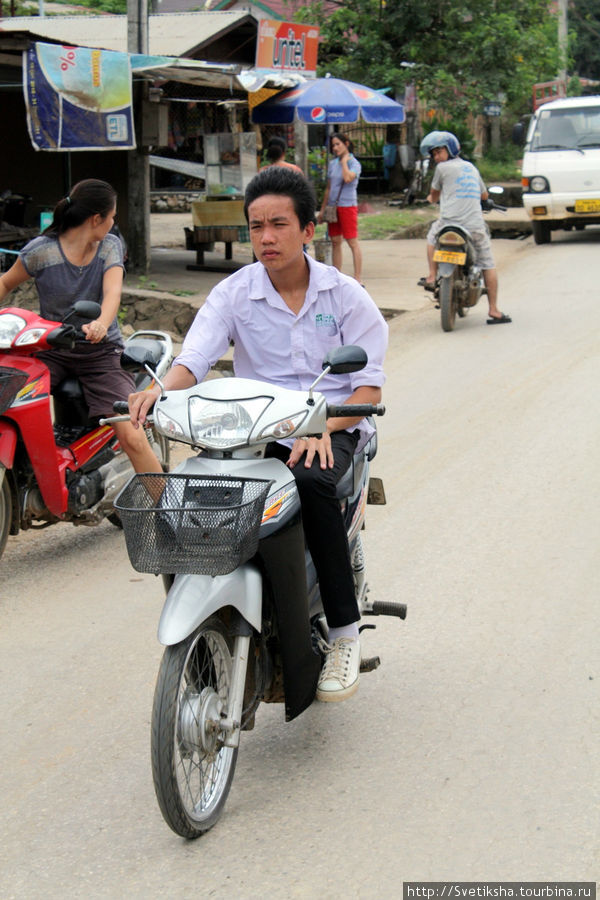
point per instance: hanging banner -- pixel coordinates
(287, 47)
(78, 98)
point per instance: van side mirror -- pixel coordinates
(518, 134)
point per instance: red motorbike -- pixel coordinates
(58, 465)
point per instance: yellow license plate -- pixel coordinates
(450, 257)
(585, 206)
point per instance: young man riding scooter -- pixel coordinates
(458, 188)
(283, 314)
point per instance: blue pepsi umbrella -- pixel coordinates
(328, 101)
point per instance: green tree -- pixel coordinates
(461, 53)
(584, 28)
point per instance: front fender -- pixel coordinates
(8, 443)
(193, 598)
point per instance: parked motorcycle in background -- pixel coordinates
(65, 468)
(243, 621)
(459, 283)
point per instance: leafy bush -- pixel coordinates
(501, 163)
(317, 172)
(466, 140)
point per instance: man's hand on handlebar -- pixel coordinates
(141, 403)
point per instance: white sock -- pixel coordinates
(344, 631)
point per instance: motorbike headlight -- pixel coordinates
(284, 427)
(10, 326)
(539, 185)
(224, 424)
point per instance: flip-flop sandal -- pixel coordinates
(499, 320)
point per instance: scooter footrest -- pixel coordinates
(386, 608)
(370, 664)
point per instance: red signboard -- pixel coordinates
(287, 46)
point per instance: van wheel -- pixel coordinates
(541, 232)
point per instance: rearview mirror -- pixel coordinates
(84, 309)
(134, 358)
(342, 360)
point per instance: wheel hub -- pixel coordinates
(199, 722)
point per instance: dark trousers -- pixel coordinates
(324, 528)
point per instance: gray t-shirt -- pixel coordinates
(461, 187)
(60, 283)
(348, 194)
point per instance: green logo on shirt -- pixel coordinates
(324, 320)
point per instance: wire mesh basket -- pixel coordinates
(198, 524)
(11, 382)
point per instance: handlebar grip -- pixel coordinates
(62, 337)
(355, 409)
(121, 407)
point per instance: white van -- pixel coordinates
(561, 166)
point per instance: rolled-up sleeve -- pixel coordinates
(364, 325)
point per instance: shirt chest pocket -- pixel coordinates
(323, 339)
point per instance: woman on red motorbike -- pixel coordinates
(76, 258)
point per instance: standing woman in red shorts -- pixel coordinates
(343, 173)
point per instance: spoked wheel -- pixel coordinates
(192, 769)
(161, 446)
(447, 302)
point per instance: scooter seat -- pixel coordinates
(69, 389)
(348, 483)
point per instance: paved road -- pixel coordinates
(470, 754)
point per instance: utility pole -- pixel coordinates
(138, 162)
(562, 40)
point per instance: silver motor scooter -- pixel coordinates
(243, 620)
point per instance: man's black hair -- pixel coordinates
(279, 180)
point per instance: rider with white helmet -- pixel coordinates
(458, 188)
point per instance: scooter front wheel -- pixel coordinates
(191, 767)
(447, 302)
(5, 512)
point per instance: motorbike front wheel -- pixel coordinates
(161, 446)
(5, 512)
(447, 302)
(191, 767)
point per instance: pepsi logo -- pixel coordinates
(317, 114)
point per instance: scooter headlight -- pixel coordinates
(224, 424)
(10, 326)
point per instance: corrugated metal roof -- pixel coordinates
(174, 34)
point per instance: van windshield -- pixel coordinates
(567, 129)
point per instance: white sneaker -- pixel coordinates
(340, 675)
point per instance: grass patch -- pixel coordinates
(378, 226)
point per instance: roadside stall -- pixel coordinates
(230, 164)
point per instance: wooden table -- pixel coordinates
(215, 220)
